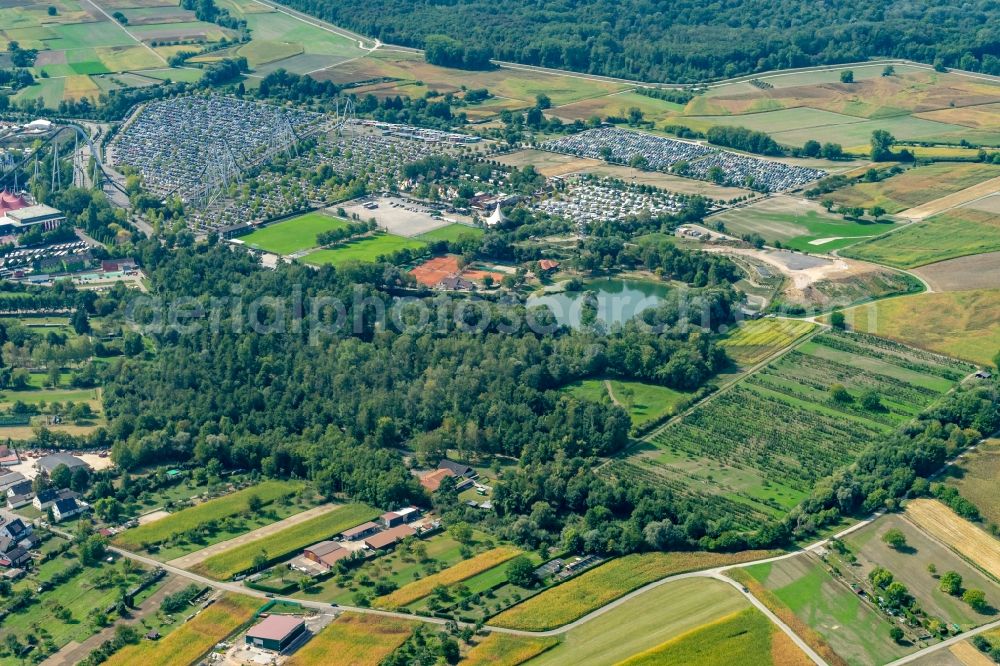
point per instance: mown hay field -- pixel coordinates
(963, 324)
(186, 644)
(507, 650)
(214, 509)
(744, 637)
(644, 622)
(945, 525)
(280, 544)
(547, 163)
(595, 588)
(419, 589)
(358, 640)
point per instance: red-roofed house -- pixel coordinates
(433, 480)
(547, 265)
(326, 553)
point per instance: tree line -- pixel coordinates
(682, 41)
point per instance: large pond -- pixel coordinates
(617, 300)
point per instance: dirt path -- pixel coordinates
(191, 559)
(74, 653)
(611, 394)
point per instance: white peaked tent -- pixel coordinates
(496, 217)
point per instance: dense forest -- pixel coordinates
(683, 40)
(279, 389)
(337, 406)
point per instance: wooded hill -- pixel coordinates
(683, 40)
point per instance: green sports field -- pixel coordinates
(367, 249)
(294, 235)
(452, 232)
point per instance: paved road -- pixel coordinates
(945, 644)
(717, 573)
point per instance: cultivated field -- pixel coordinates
(914, 105)
(955, 233)
(280, 544)
(945, 525)
(618, 105)
(746, 637)
(191, 641)
(975, 475)
(909, 566)
(294, 235)
(195, 516)
(964, 324)
(78, 45)
(755, 340)
(592, 589)
(194, 558)
(519, 85)
(365, 250)
(916, 186)
(969, 194)
(358, 640)
(419, 589)
(63, 607)
(979, 271)
(754, 451)
(823, 611)
(800, 225)
(645, 622)
(506, 650)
